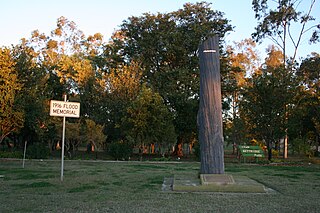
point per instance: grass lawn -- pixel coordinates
(101, 186)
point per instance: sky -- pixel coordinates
(18, 18)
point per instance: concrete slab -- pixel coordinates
(218, 179)
(217, 183)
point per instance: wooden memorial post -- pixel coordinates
(210, 109)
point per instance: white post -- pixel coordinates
(63, 136)
(24, 153)
(285, 147)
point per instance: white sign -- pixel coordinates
(209, 51)
(64, 109)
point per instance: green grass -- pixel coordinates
(99, 186)
(82, 188)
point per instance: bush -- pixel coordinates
(8, 154)
(120, 150)
(197, 152)
(37, 151)
(275, 153)
(300, 146)
(160, 159)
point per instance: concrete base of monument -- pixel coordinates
(217, 183)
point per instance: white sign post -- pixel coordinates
(64, 109)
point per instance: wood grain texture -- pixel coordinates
(210, 109)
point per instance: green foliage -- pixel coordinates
(149, 120)
(161, 159)
(265, 105)
(309, 72)
(37, 151)
(300, 146)
(93, 133)
(120, 150)
(305, 116)
(11, 115)
(11, 154)
(197, 152)
(275, 153)
(33, 94)
(166, 45)
(123, 86)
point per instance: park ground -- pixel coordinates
(123, 186)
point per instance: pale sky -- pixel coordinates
(18, 18)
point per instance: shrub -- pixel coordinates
(300, 146)
(197, 152)
(37, 151)
(161, 159)
(275, 153)
(8, 154)
(120, 150)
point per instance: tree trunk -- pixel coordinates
(269, 147)
(269, 154)
(210, 109)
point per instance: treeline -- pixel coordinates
(142, 86)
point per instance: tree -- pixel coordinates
(120, 86)
(263, 107)
(309, 73)
(72, 136)
(159, 50)
(33, 95)
(11, 115)
(93, 133)
(242, 62)
(278, 23)
(51, 66)
(303, 121)
(65, 54)
(148, 120)
(166, 47)
(274, 58)
(77, 133)
(279, 18)
(308, 101)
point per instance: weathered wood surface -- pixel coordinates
(210, 109)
